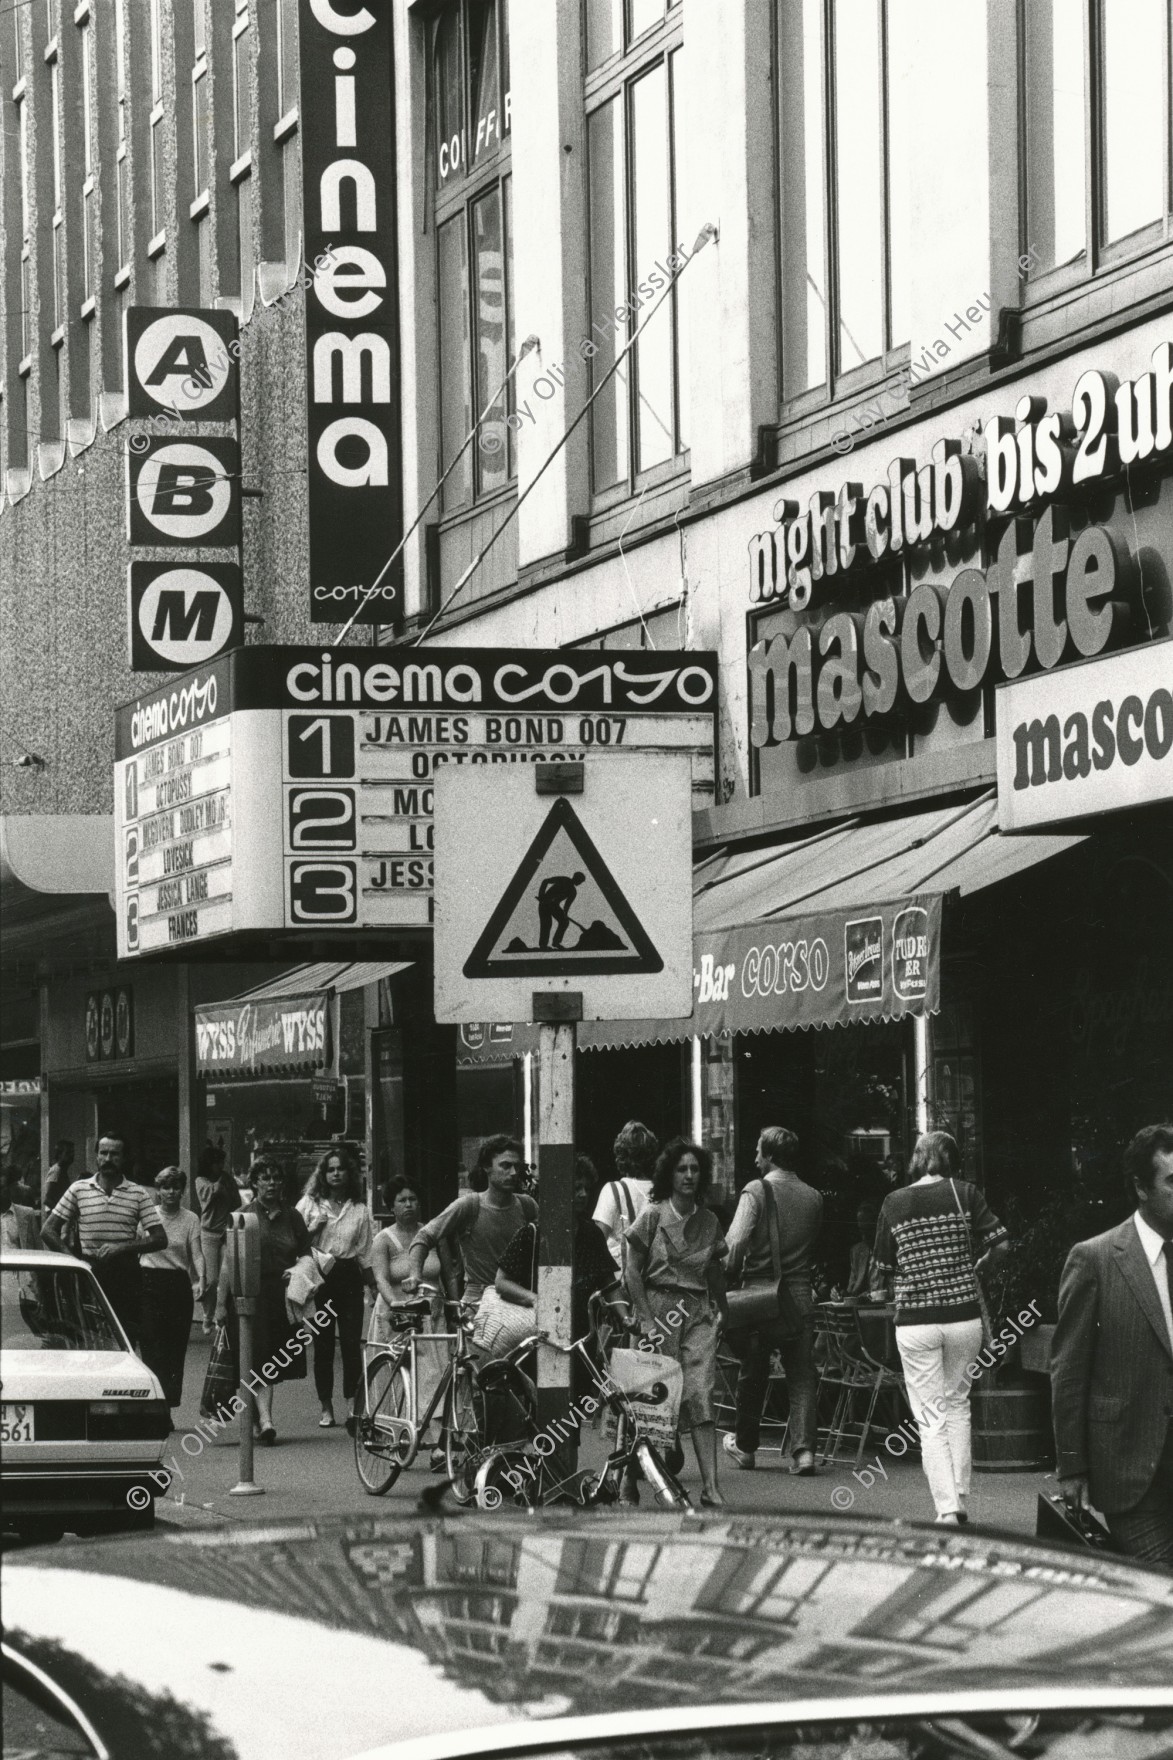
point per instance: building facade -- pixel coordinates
(892, 438)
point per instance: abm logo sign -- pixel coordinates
(180, 617)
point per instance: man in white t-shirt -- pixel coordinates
(621, 1199)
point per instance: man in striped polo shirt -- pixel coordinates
(108, 1212)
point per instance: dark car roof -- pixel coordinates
(500, 1619)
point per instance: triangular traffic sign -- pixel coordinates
(563, 913)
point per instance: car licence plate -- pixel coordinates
(16, 1424)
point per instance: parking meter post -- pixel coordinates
(243, 1247)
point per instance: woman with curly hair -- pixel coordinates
(677, 1285)
(339, 1223)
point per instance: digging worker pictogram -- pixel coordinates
(556, 894)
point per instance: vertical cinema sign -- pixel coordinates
(352, 320)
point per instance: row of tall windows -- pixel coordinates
(1095, 143)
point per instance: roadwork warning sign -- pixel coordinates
(587, 892)
(562, 913)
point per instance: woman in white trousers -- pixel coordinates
(931, 1235)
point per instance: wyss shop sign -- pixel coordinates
(351, 320)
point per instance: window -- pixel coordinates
(287, 63)
(89, 188)
(470, 110)
(158, 143)
(122, 157)
(844, 151)
(242, 134)
(59, 289)
(288, 77)
(242, 119)
(634, 127)
(26, 265)
(199, 127)
(1120, 196)
(199, 28)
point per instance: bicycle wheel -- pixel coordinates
(380, 1450)
(668, 1489)
(462, 1432)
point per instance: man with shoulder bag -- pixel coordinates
(771, 1304)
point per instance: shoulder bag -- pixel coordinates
(760, 1301)
(987, 1324)
(625, 1216)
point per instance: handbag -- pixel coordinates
(760, 1301)
(222, 1378)
(987, 1324)
(499, 1326)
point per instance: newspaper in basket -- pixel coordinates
(641, 1374)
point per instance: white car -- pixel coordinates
(82, 1419)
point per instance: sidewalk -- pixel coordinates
(311, 1473)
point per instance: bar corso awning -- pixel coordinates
(282, 1027)
(842, 926)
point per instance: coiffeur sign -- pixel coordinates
(246, 1038)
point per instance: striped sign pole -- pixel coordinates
(556, 1016)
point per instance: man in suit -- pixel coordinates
(1112, 1362)
(799, 1210)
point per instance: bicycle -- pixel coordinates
(531, 1486)
(389, 1430)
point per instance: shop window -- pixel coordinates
(845, 146)
(470, 126)
(1097, 151)
(954, 1096)
(638, 422)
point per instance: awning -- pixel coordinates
(281, 1027)
(333, 975)
(841, 926)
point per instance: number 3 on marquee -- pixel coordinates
(323, 892)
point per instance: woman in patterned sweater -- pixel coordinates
(930, 1234)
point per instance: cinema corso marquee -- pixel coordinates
(957, 849)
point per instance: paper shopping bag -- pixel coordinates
(642, 1375)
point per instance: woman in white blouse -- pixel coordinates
(172, 1280)
(339, 1223)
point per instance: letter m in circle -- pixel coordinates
(177, 616)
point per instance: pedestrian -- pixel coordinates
(481, 1222)
(676, 1283)
(60, 1175)
(1112, 1362)
(933, 1234)
(116, 1222)
(20, 1224)
(859, 1266)
(339, 1223)
(390, 1264)
(594, 1268)
(284, 1240)
(218, 1195)
(798, 1215)
(634, 1152)
(171, 1281)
